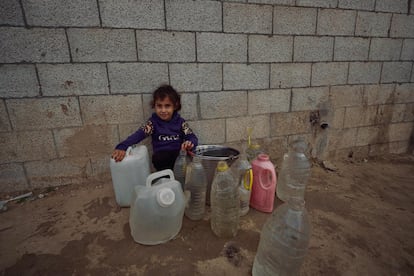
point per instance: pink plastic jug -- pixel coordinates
(264, 184)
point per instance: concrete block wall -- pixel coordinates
(76, 78)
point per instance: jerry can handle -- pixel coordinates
(272, 180)
(128, 151)
(153, 176)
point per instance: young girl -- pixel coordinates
(169, 132)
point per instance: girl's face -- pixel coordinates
(164, 108)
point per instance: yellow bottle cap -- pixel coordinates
(222, 166)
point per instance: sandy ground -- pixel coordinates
(362, 218)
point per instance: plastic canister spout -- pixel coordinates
(165, 197)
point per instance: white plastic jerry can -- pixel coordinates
(133, 170)
(157, 210)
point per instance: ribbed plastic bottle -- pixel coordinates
(180, 166)
(196, 184)
(244, 175)
(284, 241)
(224, 202)
(294, 172)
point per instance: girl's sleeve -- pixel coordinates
(142, 133)
(189, 134)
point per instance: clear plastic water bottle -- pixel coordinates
(294, 173)
(253, 151)
(243, 173)
(196, 184)
(284, 241)
(225, 202)
(180, 166)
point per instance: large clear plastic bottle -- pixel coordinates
(180, 167)
(294, 173)
(196, 184)
(244, 175)
(284, 241)
(225, 202)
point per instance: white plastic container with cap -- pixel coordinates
(133, 170)
(157, 209)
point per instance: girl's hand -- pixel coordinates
(118, 155)
(187, 145)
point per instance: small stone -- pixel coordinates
(329, 166)
(41, 196)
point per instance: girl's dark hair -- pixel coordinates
(166, 91)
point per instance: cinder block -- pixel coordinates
(347, 95)
(189, 106)
(166, 46)
(318, 3)
(372, 24)
(11, 13)
(336, 22)
(26, 146)
(391, 113)
(268, 101)
(308, 98)
(294, 20)
(356, 116)
(242, 76)
(263, 48)
(357, 4)
(100, 168)
(407, 52)
(210, 131)
(386, 148)
(190, 15)
(61, 13)
(409, 112)
(13, 178)
(351, 48)
(342, 138)
(280, 2)
(369, 135)
(43, 113)
(88, 45)
(397, 6)
(82, 142)
(33, 45)
(236, 127)
(132, 14)
(73, 79)
(289, 123)
(396, 72)
(364, 72)
(337, 119)
(329, 73)
(57, 172)
(385, 49)
(379, 94)
(402, 26)
(18, 81)
(223, 104)
(4, 118)
(219, 47)
(285, 75)
(308, 48)
(131, 78)
(112, 109)
(404, 93)
(196, 77)
(400, 131)
(246, 18)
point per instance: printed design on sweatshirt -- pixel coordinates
(186, 128)
(148, 128)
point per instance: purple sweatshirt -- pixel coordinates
(166, 136)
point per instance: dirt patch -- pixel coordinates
(361, 221)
